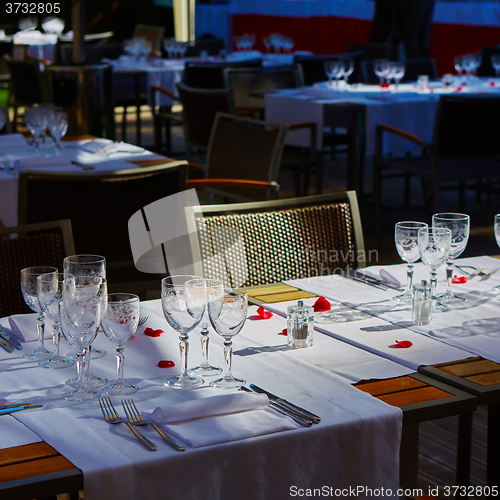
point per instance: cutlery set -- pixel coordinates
(477, 272)
(8, 409)
(369, 280)
(8, 342)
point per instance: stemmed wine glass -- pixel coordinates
(29, 288)
(215, 290)
(80, 317)
(495, 62)
(497, 237)
(348, 68)
(398, 72)
(406, 237)
(119, 321)
(36, 121)
(459, 225)
(434, 244)
(228, 314)
(331, 70)
(50, 290)
(57, 123)
(381, 69)
(183, 305)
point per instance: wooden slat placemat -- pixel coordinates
(278, 293)
(78, 138)
(478, 370)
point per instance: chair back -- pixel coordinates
(199, 109)
(210, 75)
(463, 127)
(250, 244)
(26, 81)
(372, 50)
(99, 205)
(94, 52)
(245, 83)
(486, 68)
(212, 46)
(153, 34)
(243, 148)
(42, 244)
(312, 67)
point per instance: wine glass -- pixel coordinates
(331, 69)
(29, 288)
(79, 315)
(406, 237)
(35, 120)
(183, 305)
(119, 320)
(57, 123)
(495, 62)
(348, 68)
(86, 265)
(228, 314)
(50, 289)
(381, 69)
(459, 225)
(459, 64)
(434, 244)
(215, 290)
(398, 72)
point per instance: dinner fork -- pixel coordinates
(143, 320)
(111, 416)
(135, 418)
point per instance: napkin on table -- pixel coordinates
(12, 141)
(106, 147)
(385, 277)
(219, 419)
(50, 161)
(24, 327)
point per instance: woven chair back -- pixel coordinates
(26, 81)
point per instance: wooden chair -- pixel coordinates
(40, 244)
(100, 206)
(153, 34)
(249, 244)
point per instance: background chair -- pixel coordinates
(41, 244)
(486, 68)
(99, 206)
(464, 148)
(371, 50)
(152, 34)
(268, 242)
(212, 46)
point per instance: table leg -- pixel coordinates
(493, 455)
(464, 448)
(408, 457)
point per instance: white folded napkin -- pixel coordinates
(219, 419)
(49, 161)
(2, 402)
(24, 327)
(106, 147)
(385, 277)
(12, 141)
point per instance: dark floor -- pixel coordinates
(438, 439)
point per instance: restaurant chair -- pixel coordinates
(153, 34)
(486, 68)
(27, 245)
(243, 158)
(212, 46)
(248, 244)
(99, 206)
(371, 50)
(464, 148)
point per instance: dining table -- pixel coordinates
(362, 338)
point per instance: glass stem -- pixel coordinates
(86, 367)
(434, 283)
(183, 347)
(204, 347)
(120, 361)
(40, 327)
(409, 280)
(56, 336)
(228, 358)
(449, 276)
(81, 366)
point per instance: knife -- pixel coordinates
(11, 340)
(286, 403)
(7, 411)
(283, 410)
(361, 280)
(6, 345)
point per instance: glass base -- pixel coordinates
(89, 381)
(450, 297)
(56, 362)
(186, 382)
(39, 354)
(228, 383)
(94, 354)
(205, 371)
(117, 389)
(407, 299)
(81, 395)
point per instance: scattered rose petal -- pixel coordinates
(492, 84)
(385, 85)
(283, 332)
(401, 344)
(457, 280)
(322, 305)
(459, 89)
(263, 313)
(165, 363)
(152, 333)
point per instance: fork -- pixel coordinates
(135, 418)
(111, 416)
(143, 320)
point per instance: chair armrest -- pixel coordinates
(192, 165)
(231, 183)
(248, 111)
(37, 59)
(401, 133)
(157, 88)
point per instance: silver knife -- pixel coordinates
(286, 403)
(6, 345)
(11, 340)
(7, 411)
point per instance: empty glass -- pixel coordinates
(119, 320)
(398, 72)
(434, 244)
(36, 121)
(215, 289)
(495, 62)
(348, 68)
(183, 305)
(29, 288)
(381, 69)
(50, 290)
(406, 238)
(228, 314)
(331, 70)
(57, 123)
(459, 225)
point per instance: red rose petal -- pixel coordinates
(165, 363)
(322, 305)
(458, 280)
(492, 84)
(152, 333)
(283, 332)
(459, 89)
(385, 85)
(263, 313)
(401, 344)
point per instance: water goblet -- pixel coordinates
(398, 72)
(215, 289)
(35, 121)
(29, 288)
(331, 69)
(381, 69)
(459, 65)
(459, 225)
(406, 238)
(183, 305)
(495, 62)
(50, 289)
(228, 314)
(434, 244)
(57, 123)
(348, 68)
(119, 320)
